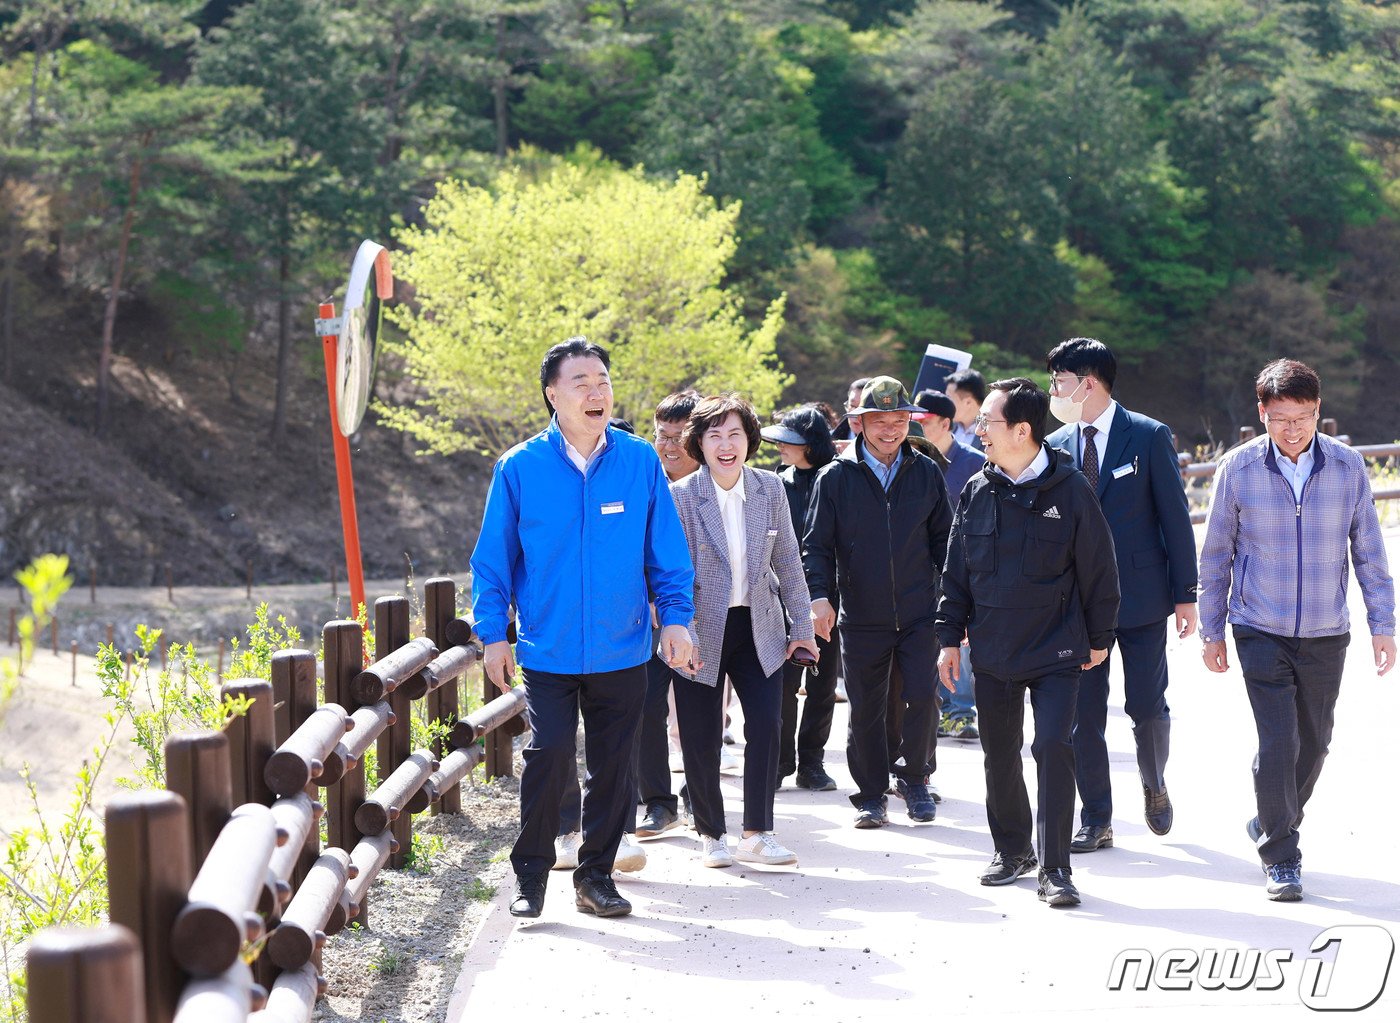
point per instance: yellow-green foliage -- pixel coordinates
(44, 582)
(499, 275)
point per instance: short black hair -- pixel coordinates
(623, 425)
(711, 412)
(1084, 357)
(970, 382)
(858, 384)
(554, 358)
(1025, 403)
(676, 408)
(1288, 380)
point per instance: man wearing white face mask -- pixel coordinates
(1129, 461)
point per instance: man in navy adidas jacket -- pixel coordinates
(578, 533)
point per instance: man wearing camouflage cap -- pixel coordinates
(877, 534)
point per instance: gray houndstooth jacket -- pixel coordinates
(774, 567)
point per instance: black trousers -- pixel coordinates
(1293, 686)
(1001, 718)
(650, 756)
(611, 703)
(700, 715)
(867, 657)
(1144, 653)
(804, 745)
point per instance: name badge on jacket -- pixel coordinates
(612, 508)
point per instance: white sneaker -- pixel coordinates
(763, 848)
(676, 762)
(729, 762)
(714, 852)
(566, 851)
(630, 857)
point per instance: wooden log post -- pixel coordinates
(85, 975)
(294, 690)
(293, 997)
(439, 608)
(391, 630)
(1328, 426)
(149, 870)
(301, 759)
(198, 769)
(302, 929)
(388, 804)
(251, 741)
(343, 643)
(226, 998)
(297, 817)
(220, 915)
(367, 858)
(73, 648)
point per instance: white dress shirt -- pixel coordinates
(579, 461)
(1296, 473)
(1038, 465)
(1101, 424)
(731, 510)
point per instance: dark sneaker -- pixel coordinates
(1056, 888)
(658, 821)
(529, 894)
(599, 896)
(1091, 838)
(1006, 869)
(872, 814)
(815, 779)
(1285, 880)
(917, 798)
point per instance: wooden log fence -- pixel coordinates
(225, 865)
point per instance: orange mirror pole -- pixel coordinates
(349, 521)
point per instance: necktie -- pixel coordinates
(1091, 457)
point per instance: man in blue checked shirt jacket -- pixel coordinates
(1283, 510)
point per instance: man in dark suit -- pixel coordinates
(1130, 462)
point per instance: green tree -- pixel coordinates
(970, 225)
(498, 275)
(722, 111)
(322, 195)
(131, 153)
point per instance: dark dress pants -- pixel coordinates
(1001, 719)
(867, 658)
(700, 715)
(650, 756)
(611, 703)
(1293, 686)
(1144, 653)
(804, 746)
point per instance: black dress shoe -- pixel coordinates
(1157, 808)
(599, 896)
(529, 894)
(1006, 869)
(1092, 837)
(1056, 888)
(658, 821)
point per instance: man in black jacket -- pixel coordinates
(877, 533)
(1032, 579)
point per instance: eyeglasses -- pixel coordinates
(980, 424)
(1296, 423)
(1057, 385)
(668, 438)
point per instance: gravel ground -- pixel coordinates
(402, 968)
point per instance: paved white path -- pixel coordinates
(873, 919)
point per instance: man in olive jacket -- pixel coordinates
(1031, 578)
(877, 532)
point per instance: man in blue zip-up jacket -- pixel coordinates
(578, 533)
(1283, 510)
